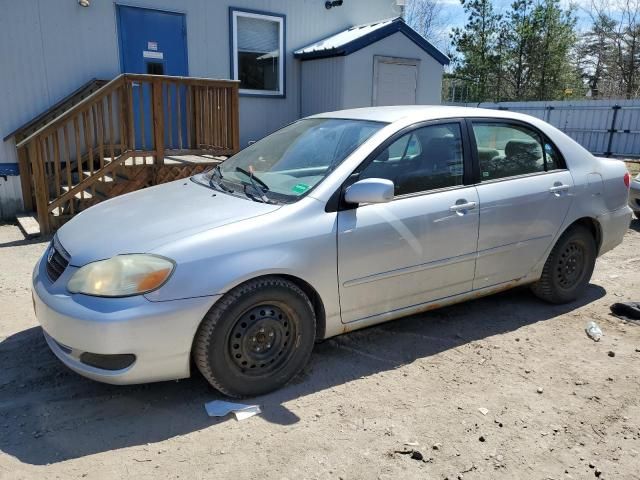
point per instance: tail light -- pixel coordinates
(627, 179)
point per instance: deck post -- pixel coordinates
(158, 122)
(42, 202)
(25, 180)
(235, 120)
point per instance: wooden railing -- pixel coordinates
(116, 140)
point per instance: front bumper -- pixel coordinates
(159, 334)
(613, 225)
(634, 196)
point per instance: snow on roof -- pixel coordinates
(360, 36)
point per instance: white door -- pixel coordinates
(395, 81)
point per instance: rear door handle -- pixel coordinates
(462, 206)
(559, 188)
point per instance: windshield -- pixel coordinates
(290, 162)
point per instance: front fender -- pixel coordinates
(299, 242)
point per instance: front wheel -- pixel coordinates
(568, 269)
(256, 338)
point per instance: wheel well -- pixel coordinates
(309, 291)
(316, 301)
(593, 226)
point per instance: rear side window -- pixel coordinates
(507, 150)
(424, 159)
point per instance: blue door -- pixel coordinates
(153, 42)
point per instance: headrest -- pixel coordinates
(487, 154)
(523, 148)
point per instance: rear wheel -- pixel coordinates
(568, 269)
(256, 338)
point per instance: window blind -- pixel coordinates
(257, 35)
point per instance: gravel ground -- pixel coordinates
(500, 387)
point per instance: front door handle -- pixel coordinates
(458, 207)
(559, 188)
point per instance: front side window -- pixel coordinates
(425, 159)
(506, 150)
(257, 52)
(290, 162)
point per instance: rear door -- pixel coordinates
(525, 191)
(420, 246)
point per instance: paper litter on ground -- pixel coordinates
(220, 408)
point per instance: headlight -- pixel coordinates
(121, 276)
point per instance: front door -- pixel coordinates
(419, 247)
(525, 194)
(395, 81)
(152, 42)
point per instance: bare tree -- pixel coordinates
(611, 57)
(428, 18)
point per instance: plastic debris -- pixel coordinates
(483, 410)
(593, 331)
(219, 408)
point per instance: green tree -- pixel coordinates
(476, 53)
(595, 55)
(552, 70)
(520, 38)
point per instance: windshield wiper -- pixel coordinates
(254, 183)
(219, 183)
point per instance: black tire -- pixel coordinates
(568, 269)
(256, 338)
(637, 215)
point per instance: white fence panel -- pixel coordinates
(604, 127)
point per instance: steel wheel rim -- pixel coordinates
(262, 340)
(571, 265)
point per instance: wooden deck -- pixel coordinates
(134, 132)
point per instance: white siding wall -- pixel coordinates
(347, 82)
(322, 86)
(48, 48)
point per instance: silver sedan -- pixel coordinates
(634, 196)
(333, 223)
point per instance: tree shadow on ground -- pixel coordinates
(49, 414)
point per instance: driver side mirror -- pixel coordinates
(370, 190)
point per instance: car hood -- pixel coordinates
(146, 219)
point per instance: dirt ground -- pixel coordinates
(558, 405)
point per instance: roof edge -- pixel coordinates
(396, 25)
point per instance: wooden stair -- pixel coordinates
(91, 151)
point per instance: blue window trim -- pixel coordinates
(283, 54)
(397, 25)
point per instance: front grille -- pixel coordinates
(57, 259)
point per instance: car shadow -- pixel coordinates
(635, 224)
(48, 414)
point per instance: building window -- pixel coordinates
(257, 52)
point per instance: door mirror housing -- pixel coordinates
(370, 190)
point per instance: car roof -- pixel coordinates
(418, 113)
